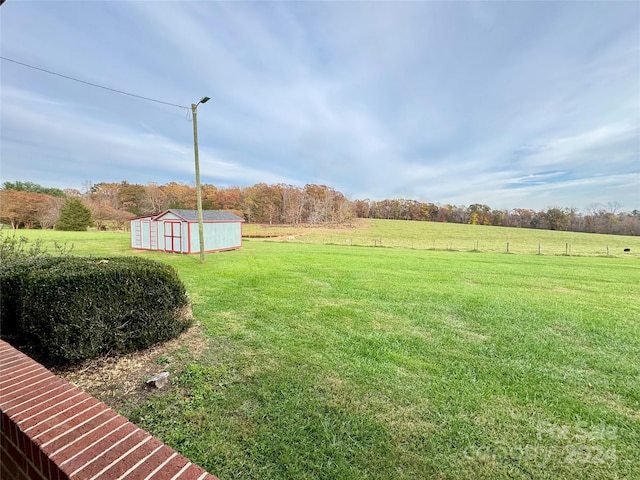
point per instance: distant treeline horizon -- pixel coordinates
(25, 204)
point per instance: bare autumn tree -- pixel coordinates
(105, 194)
(293, 204)
(102, 215)
(629, 223)
(154, 200)
(343, 208)
(48, 212)
(362, 208)
(524, 217)
(318, 203)
(22, 208)
(121, 220)
(72, 193)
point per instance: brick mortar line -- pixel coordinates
(7, 348)
(68, 419)
(141, 462)
(31, 366)
(90, 446)
(122, 457)
(162, 465)
(23, 420)
(181, 471)
(47, 377)
(66, 432)
(67, 445)
(9, 387)
(46, 392)
(51, 417)
(14, 357)
(19, 362)
(104, 452)
(21, 365)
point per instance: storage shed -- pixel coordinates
(176, 230)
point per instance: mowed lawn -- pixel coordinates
(336, 361)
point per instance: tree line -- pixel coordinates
(597, 218)
(111, 205)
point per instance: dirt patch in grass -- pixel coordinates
(287, 232)
(565, 290)
(119, 380)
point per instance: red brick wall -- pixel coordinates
(51, 430)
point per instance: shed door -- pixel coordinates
(144, 237)
(172, 237)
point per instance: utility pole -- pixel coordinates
(194, 115)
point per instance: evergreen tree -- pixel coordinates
(33, 188)
(74, 216)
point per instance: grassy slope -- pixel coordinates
(353, 362)
(451, 236)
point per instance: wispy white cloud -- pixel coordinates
(605, 146)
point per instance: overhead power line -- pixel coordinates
(93, 84)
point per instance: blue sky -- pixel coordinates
(515, 104)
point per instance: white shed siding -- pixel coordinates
(217, 236)
(171, 216)
(153, 236)
(177, 231)
(136, 242)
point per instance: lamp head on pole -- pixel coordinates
(204, 100)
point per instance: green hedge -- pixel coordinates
(63, 310)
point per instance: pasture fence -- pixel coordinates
(561, 248)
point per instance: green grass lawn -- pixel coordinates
(349, 362)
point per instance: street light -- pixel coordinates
(194, 113)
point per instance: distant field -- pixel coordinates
(451, 236)
(395, 234)
(351, 362)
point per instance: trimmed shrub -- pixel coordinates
(17, 256)
(64, 310)
(13, 274)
